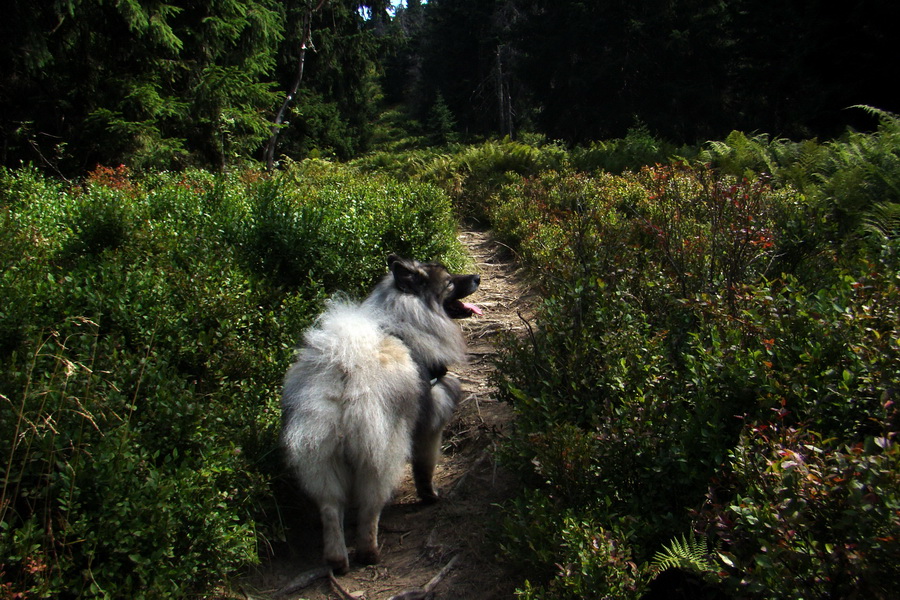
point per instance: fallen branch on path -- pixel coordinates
(303, 580)
(428, 590)
(339, 589)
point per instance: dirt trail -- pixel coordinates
(419, 540)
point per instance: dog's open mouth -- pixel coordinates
(462, 286)
(456, 309)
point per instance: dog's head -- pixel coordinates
(435, 284)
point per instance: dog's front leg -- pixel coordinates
(437, 410)
(426, 450)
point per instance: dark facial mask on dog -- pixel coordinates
(434, 283)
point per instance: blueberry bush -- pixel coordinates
(715, 356)
(145, 325)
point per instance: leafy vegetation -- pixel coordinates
(710, 384)
(725, 325)
(146, 325)
(715, 356)
(691, 554)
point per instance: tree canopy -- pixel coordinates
(154, 83)
(690, 70)
(159, 84)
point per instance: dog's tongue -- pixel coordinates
(472, 308)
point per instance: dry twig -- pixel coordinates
(339, 589)
(427, 591)
(303, 580)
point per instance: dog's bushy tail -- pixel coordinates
(344, 336)
(353, 378)
(349, 341)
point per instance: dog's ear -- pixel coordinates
(407, 275)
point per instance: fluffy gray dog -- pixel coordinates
(370, 388)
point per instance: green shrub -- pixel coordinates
(474, 173)
(551, 217)
(665, 232)
(636, 150)
(850, 177)
(319, 224)
(741, 156)
(596, 563)
(279, 239)
(682, 309)
(810, 517)
(149, 325)
(862, 171)
(102, 223)
(112, 488)
(567, 555)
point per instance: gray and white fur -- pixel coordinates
(369, 390)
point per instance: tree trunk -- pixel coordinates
(504, 101)
(305, 43)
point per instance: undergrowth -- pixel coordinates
(709, 385)
(710, 381)
(147, 322)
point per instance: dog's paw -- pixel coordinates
(428, 495)
(367, 557)
(339, 565)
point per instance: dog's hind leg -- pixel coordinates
(367, 552)
(437, 410)
(335, 549)
(373, 492)
(329, 487)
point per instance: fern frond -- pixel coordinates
(883, 220)
(689, 554)
(887, 119)
(716, 150)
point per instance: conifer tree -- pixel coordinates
(157, 84)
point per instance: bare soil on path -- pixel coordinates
(419, 540)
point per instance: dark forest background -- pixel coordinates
(154, 84)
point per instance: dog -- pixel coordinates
(369, 389)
